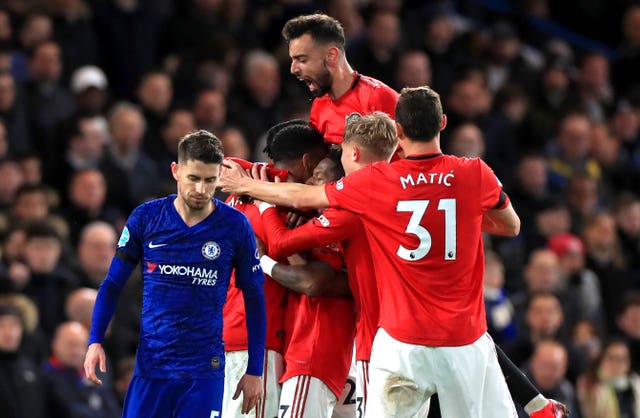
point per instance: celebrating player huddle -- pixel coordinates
(392, 265)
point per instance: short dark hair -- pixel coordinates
(293, 141)
(200, 146)
(31, 188)
(271, 133)
(419, 112)
(41, 229)
(322, 28)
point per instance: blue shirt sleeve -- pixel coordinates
(127, 255)
(249, 279)
(107, 299)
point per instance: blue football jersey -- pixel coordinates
(186, 273)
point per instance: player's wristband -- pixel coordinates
(264, 206)
(267, 263)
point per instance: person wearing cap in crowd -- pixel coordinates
(89, 85)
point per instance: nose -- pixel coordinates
(294, 68)
(200, 187)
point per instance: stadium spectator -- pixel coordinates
(14, 114)
(49, 280)
(47, 102)
(414, 70)
(607, 260)
(130, 173)
(72, 396)
(257, 103)
(547, 369)
(377, 50)
(79, 306)
(154, 95)
(96, 248)
(210, 110)
(73, 29)
(611, 388)
(23, 390)
(87, 203)
(500, 313)
(628, 321)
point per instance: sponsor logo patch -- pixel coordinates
(124, 237)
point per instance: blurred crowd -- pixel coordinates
(95, 94)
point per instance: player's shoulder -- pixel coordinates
(373, 83)
(375, 86)
(462, 162)
(230, 213)
(152, 207)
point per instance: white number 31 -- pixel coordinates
(417, 209)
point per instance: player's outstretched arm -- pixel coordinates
(251, 388)
(316, 278)
(501, 221)
(95, 356)
(300, 196)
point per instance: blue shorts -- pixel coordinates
(173, 398)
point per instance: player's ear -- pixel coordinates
(306, 162)
(443, 124)
(399, 131)
(355, 153)
(174, 170)
(333, 54)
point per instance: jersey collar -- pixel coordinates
(355, 81)
(423, 156)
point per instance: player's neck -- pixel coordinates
(420, 148)
(342, 80)
(192, 216)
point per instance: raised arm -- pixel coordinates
(300, 196)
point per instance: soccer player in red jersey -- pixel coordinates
(316, 47)
(416, 211)
(319, 332)
(368, 140)
(335, 225)
(373, 138)
(288, 161)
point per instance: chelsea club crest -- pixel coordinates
(211, 250)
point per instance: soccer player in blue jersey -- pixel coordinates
(187, 245)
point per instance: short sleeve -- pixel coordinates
(490, 187)
(132, 237)
(352, 193)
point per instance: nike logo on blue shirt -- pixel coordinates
(152, 245)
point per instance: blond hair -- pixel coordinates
(375, 133)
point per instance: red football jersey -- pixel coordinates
(366, 95)
(332, 226)
(319, 333)
(234, 328)
(423, 217)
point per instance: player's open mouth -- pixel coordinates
(307, 81)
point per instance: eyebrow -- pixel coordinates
(298, 56)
